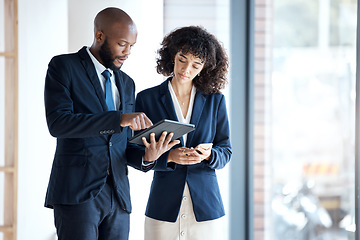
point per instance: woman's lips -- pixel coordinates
(183, 76)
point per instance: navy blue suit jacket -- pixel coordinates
(210, 118)
(89, 137)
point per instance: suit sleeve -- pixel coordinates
(62, 120)
(135, 152)
(221, 151)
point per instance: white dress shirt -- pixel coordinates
(99, 69)
(177, 106)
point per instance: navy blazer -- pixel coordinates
(89, 137)
(210, 118)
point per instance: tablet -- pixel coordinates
(169, 126)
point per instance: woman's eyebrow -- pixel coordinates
(199, 63)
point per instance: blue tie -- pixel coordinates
(108, 92)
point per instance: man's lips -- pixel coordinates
(121, 59)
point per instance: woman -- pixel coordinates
(185, 199)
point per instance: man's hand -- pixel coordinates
(136, 121)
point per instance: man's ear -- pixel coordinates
(99, 36)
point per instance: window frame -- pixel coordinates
(357, 127)
(10, 167)
(241, 118)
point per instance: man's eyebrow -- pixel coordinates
(127, 42)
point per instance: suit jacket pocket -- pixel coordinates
(70, 160)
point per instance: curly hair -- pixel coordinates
(200, 43)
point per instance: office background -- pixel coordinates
(291, 102)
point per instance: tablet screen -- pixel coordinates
(169, 126)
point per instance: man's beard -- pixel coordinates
(107, 57)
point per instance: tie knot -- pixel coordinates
(106, 74)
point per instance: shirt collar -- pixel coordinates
(98, 66)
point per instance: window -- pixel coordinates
(304, 119)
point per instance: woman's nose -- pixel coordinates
(187, 68)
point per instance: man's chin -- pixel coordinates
(115, 67)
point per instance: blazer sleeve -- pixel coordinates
(221, 151)
(135, 152)
(61, 117)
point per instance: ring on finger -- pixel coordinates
(183, 150)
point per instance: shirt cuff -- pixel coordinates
(146, 163)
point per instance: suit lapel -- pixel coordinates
(198, 107)
(94, 79)
(119, 83)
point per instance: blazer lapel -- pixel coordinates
(166, 101)
(94, 79)
(168, 104)
(198, 107)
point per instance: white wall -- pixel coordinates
(42, 34)
(48, 28)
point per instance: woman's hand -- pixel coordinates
(204, 150)
(153, 149)
(184, 156)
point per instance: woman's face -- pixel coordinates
(186, 67)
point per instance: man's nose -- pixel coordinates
(127, 50)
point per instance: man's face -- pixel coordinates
(117, 46)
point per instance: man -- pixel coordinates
(90, 112)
